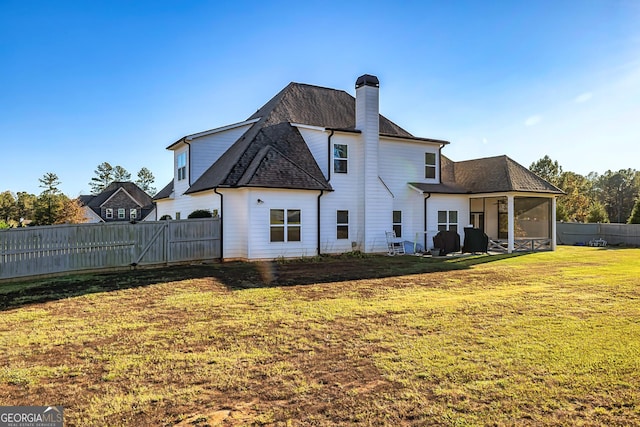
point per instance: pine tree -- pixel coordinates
(120, 174)
(145, 181)
(48, 204)
(104, 177)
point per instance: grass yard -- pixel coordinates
(538, 339)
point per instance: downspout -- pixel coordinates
(215, 190)
(329, 156)
(318, 219)
(425, 220)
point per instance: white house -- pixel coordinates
(318, 171)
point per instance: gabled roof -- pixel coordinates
(498, 174)
(136, 193)
(95, 202)
(289, 163)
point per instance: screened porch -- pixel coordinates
(515, 223)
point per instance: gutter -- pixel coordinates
(215, 190)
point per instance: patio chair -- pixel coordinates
(395, 245)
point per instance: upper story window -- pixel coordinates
(397, 223)
(109, 213)
(133, 213)
(182, 166)
(121, 213)
(284, 225)
(430, 165)
(340, 158)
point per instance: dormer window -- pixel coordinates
(340, 158)
(182, 166)
(430, 165)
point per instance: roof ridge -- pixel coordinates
(508, 172)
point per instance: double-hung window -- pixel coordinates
(181, 162)
(284, 225)
(430, 165)
(133, 213)
(108, 213)
(448, 220)
(121, 213)
(342, 220)
(340, 158)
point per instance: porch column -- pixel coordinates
(553, 224)
(510, 224)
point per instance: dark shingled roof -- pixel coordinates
(489, 175)
(165, 192)
(139, 196)
(318, 106)
(287, 163)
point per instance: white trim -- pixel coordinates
(413, 139)
(116, 192)
(300, 125)
(220, 129)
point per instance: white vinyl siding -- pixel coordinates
(447, 203)
(207, 149)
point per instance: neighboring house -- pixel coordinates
(120, 201)
(317, 171)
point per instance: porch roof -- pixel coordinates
(498, 174)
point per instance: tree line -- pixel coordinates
(609, 197)
(51, 206)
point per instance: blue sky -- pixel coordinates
(118, 81)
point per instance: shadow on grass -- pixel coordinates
(239, 275)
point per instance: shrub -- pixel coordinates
(200, 213)
(165, 217)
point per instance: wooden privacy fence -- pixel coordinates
(76, 247)
(571, 233)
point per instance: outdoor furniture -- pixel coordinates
(475, 240)
(598, 243)
(448, 241)
(395, 245)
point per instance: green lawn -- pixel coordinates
(537, 339)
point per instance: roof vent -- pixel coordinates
(367, 80)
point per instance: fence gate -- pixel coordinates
(76, 247)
